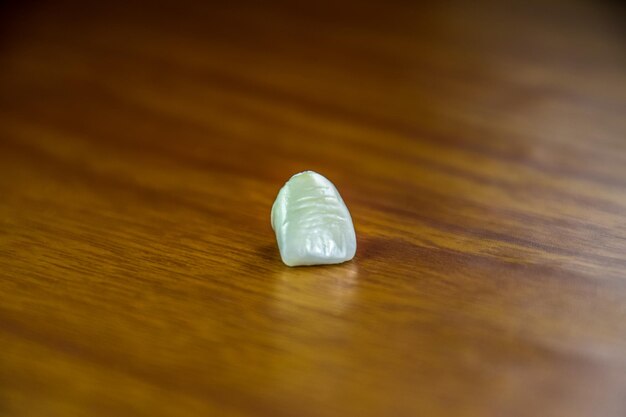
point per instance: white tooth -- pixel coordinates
(312, 224)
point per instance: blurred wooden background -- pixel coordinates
(480, 146)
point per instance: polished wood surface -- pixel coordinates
(481, 148)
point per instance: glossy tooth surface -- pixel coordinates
(312, 224)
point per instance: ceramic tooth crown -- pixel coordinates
(312, 224)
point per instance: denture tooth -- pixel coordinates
(312, 224)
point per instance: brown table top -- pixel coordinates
(481, 149)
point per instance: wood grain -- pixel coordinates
(480, 146)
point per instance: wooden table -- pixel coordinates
(480, 146)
